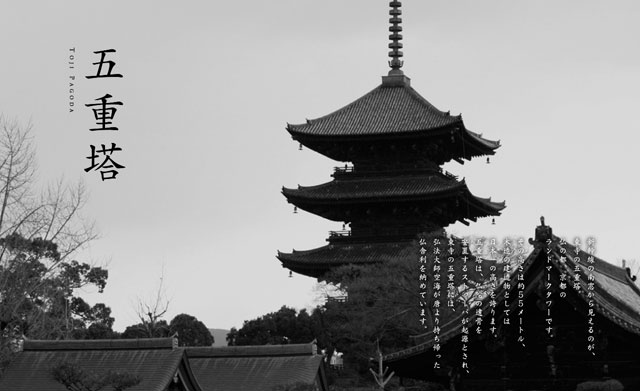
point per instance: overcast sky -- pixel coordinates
(209, 86)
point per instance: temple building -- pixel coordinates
(563, 318)
(257, 368)
(158, 364)
(154, 364)
(393, 143)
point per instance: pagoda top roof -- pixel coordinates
(374, 187)
(394, 107)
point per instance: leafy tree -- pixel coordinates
(191, 331)
(41, 304)
(281, 327)
(157, 329)
(382, 306)
(100, 331)
(371, 306)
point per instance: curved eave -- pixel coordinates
(316, 262)
(478, 145)
(297, 262)
(346, 136)
(490, 207)
(377, 190)
(616, 295)
(383, 110)
(465, 145)
(307, 197)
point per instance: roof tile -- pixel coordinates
(384, 110)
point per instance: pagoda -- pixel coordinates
(391, 187)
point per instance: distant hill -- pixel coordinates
(220, 336)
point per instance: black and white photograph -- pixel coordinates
(304, 195)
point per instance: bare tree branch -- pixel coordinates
(51, 215)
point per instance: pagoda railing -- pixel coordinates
(343, 170)
(365, 235)
(449, 175)
(339, 234)
(347, 170)
(337, 299)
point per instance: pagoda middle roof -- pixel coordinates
(386, 188)
(387, 109)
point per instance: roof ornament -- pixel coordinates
(395, 29)
(544, 233)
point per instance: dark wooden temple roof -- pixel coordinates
(389, 189)
(316, 262)
(249, 368)
(155, 361)
(290, 350)
(101, 344)
(394, 109)
(376, 187)
(384, 110)
(617, 298)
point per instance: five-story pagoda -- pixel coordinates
(394, 188)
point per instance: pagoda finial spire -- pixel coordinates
(395, 45)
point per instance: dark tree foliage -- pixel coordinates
(100, 331)
(74, 378)
(37, 294)
(383, 301)
(159, 329)
(190, 331)
(281, 327)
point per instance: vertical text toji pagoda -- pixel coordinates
(394, 188)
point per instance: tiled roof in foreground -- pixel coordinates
(154, 361)
(257, 368)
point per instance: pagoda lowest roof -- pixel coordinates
(394, 107)
(316, 262)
